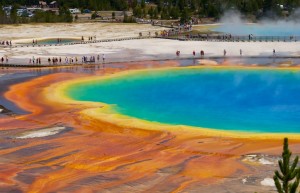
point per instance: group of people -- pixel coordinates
(224, 53)
(91, 38)
(175, 31)
(92, 59)
(5, 43)
(185, 27)
(86, 59)
(67, 60)
(201, 53)
(35, 60)
(149, 34)
(34, 41)
(194, 53)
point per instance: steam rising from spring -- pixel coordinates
(233, 23)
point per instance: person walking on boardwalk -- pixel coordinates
(224, 52)
(241, 52)
(202, 53)
(103, 58)
(274, 52)
(194, 53)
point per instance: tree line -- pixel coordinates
(63, 15)
(163, 9)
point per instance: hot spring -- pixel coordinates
(52, 41)
(264, 29)
(249, 100)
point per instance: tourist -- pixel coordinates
(2, 60)
(103, 58)
(98, 57)
(225, 52)
(29, 60)
(241, 52)
(6, 58)
(274, 52)
(194, 53)
(202, 53)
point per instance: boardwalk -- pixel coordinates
(77, 43)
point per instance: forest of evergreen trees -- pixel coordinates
(170, 9)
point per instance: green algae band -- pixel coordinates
(250, 100)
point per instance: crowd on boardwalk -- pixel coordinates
(98, 59)
(201, 53)
(176, 30)
(5, 42)
(67, 60)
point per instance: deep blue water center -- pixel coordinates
(254, 100)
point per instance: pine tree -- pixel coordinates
(185, 17)
(143, 4)
(288, 180)
(3, 17)
(13, 14)
(155, 13)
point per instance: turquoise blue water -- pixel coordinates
(54, 41)
(278, 29)
(227, 99)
